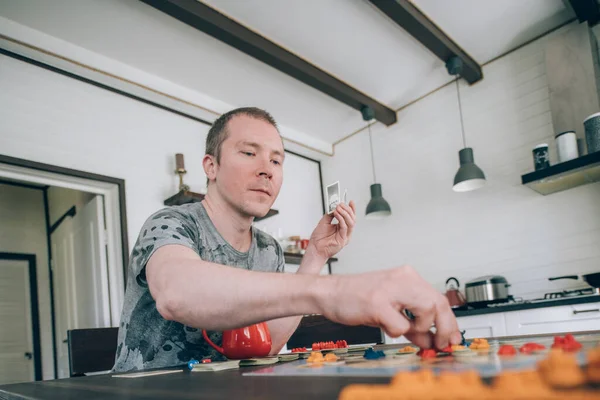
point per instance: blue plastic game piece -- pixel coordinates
(191, 363)
(371, 354)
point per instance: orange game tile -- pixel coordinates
(421, 377)
(560, 370)
(365, 391)
(331, 357)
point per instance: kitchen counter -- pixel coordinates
(528, 305)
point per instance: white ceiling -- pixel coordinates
(350, 39)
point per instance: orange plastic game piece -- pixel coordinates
(479, 344)
(461, 385)
(365, 391)
(330, 357)
(521, 385)
(560, 370)
(315, 357)
(421, 377)
(507, 350)
(458, 347)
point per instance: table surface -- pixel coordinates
(200, 385)
(185, 385)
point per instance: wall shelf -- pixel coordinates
(566, 175)
(185, 197)
(296, 259)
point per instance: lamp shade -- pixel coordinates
(469, 176)
(377, 207)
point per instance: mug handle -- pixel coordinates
(214, 346)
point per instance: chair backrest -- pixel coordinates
(91, 350)
(317, 328)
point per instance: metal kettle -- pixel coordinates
(455, 297)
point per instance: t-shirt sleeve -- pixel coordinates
(167, 226)
(280, 258)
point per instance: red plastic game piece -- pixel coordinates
(567, 343)
(206, 361)
(507, 350)
(299, 350)
(427, 353)
(447, 349)
(531, 347)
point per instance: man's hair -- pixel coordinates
(218, 132)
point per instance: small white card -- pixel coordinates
(147, 373)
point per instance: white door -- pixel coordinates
(16, 337)
(81, 292)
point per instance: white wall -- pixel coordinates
(23, 230)
(53, 119)
(504, 228)
(50, 118)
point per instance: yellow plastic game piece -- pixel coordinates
(407, 349)
(560, 370)
(315, 357)
(331, 357)
(479, 344)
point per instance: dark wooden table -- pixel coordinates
(185, 385)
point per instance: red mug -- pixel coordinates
(251, 341)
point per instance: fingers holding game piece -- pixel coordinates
(393, 323)
(446, 327)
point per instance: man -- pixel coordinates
(203, 265)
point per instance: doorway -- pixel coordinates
(84, 284)
(20, 354)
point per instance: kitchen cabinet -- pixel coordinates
(571, 318)
(487, 325)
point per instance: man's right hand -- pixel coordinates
(377, 299)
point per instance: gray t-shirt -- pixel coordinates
(146, 339)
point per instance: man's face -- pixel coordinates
(250, 172)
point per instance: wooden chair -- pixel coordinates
(91, 350)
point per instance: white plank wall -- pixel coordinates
(504, 228)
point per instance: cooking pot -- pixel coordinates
(592, 279)
(486, 290)
(453, 294)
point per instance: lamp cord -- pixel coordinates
(372, 158)
(462, 127)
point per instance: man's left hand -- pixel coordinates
(328, 239)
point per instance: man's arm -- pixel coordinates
(282, 328)
(210, 296)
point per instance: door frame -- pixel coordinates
(115, 216)
(35, 314)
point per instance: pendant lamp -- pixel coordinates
(378, 207)
(469, 176)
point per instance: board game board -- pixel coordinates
(487, 363)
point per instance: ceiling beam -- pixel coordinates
(225, 29)
(419, 26)
(586, 10)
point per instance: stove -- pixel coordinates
(552, 296)
(571, 293)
